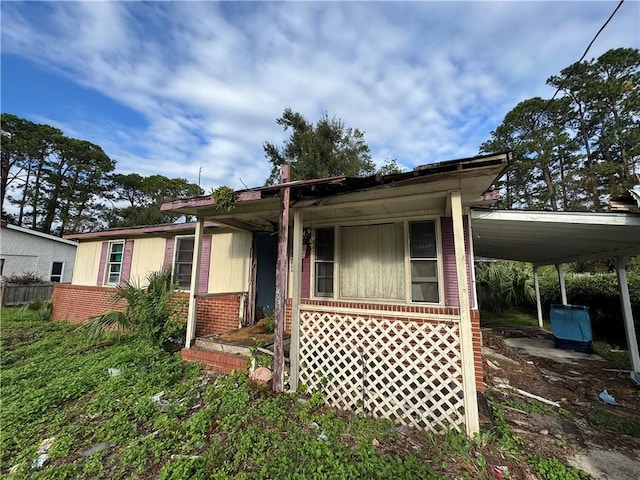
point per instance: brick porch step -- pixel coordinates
(217, 361)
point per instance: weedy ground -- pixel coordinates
(154, 417)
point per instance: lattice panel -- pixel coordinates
(408, 372)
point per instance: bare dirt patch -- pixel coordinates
(584, 432)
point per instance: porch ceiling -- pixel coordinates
(554, 237)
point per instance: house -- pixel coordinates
(24, 251)
(108, 258)
(375, 281)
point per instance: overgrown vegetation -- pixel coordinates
(151, 312)
(26, 278)
(505, 285)
(155, 417)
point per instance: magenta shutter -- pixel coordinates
(449, 259)
(126, 261)
(306, 274)
(168, 252)
(205, 262)
(103, 261)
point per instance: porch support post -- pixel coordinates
(296, 271)
(627, 314)
(195, 281)
(282, 268)
(563, 288)
(536, 285)
(472, 422)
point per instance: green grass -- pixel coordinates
(56, 383)
(600, 418)
(512, 317)
(616, 356)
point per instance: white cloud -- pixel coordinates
(425, 81)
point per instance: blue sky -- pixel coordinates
(171, 87)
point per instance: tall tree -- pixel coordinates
(574, 152)
(59, 181)
(325, 149)
(141, 198)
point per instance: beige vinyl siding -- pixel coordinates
(148, 255)
(229, 262)
(85, 269)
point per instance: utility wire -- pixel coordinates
(569, 74)
(587, 49)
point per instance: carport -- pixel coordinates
(555, 238)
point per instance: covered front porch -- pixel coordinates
(387, 322)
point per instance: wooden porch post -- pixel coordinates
(282, 268)
(536, 285)
(472, 422)
(627, 313)
(296, 271)
(563, 288)
(195, 281)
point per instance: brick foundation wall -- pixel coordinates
(219, 362)
(217, 314)
(78, 303)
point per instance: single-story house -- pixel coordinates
(25, 251)
(377, 283)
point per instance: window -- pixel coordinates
(391, 261)
(183, 262)
(372, 262)
(114, 263)
(324, 262)
(56, 272)
(423, 255)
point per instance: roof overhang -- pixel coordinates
(545, 238)
(423, 190)
(143, 230)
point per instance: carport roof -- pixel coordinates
(544, 238)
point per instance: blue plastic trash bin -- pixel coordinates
(571, 327)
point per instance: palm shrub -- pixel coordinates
(504, 285)
(148, 313)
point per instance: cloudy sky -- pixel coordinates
(175, 87)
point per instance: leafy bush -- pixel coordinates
(505, 285)
(27, 278)
(149, 311)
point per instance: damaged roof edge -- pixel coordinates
(342, 183)
(141, 230)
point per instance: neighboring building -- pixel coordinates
(25, 251)
(380, 298)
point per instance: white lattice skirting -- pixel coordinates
(406, 371)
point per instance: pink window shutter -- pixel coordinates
(126, 261)
(168, 252)
(103, 261)
(306, 274)
(205, 262)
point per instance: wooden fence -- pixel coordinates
(15, 294)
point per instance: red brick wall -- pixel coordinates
(220, 362)
(217, 314)
(78, 303)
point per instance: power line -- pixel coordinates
(574, 66)
(571, 71)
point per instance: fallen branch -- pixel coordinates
(531, 395)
